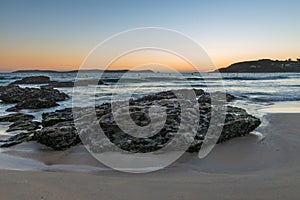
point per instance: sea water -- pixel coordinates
(257, 93)
(253, 91)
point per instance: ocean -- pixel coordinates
(257, 93)
(253, 91)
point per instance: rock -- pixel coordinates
(59, 137)
(238, 123)
(24, 125)
(50, 119)
(56, 84)
(16, 94)
(59, 131)
(30, 98)
(20, 121)
(17, 139)
(198, 92)
(33, 80)
(88, 82)
(16, 117)
(33, 104)
(219, 96)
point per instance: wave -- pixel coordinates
(9, 77)
(163, 78)
(194, 79)
(201, 85)
(256, 78)
(123, 80)
(275, 99)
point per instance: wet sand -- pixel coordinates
(242, 168)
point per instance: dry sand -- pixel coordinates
(243, 168)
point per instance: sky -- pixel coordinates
(59, 34)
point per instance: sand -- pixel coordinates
(242, 168)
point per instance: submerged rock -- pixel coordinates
(56, 84)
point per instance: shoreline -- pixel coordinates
(241, 168)
(77, 158)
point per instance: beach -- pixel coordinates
(242, 168)
(149, 100)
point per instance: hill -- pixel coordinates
(263, 66)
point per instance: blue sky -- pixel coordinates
(51, 34)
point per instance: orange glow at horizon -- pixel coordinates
(63, 62)
(152, 60)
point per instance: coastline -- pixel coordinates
(242, 168)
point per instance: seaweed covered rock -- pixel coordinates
(53, 118)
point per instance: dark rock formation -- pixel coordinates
(15, 117)
(33, 80)
(17, 139)
(30, 98)
(57, 84)
(33, 104)
(20, 121)
(53, 118)
(59, 136)
(262, 66)
(24, 125)
(60, 133)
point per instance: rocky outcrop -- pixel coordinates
(33, 104)
(17, 139)
(20, 121)
(58, 116)
(59, 136)
(262, 66)
(59, 131)
(55, 84)
(33, 80)
(30, 98)
(15, 117)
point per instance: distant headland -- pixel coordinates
(86, 71)
(263, 66)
